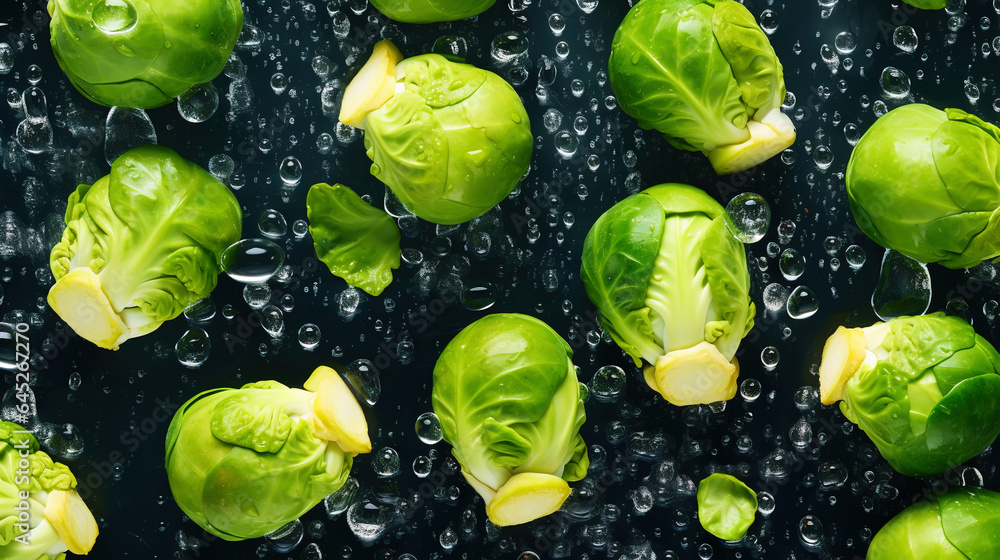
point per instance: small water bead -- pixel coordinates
(279, 83)
(750, 389)
(823, 157)
(765, 503)
(580, 125)
(114, 16)
(552, 120)
(363, 376)
(905, 39)
(286, 537)
(422, 466)
(972, 92)
(385, 462)
(751, 217)
(478, 296)
(895, 82)
(6, 58)
(557, 24)
(256, 295)
(75, 380)
(810, 531)
(832, 245)
(769, 356)
(252, 261)
(428, 428)
(221, 166)
(33, 74)
(608, 383)
(769, 21)
(845, 42)
(448, 538)
(300, 228)
(309, 336)
(198, 103)
(855, 257)
(576, 87)
(509, 46)
(832, 475)
(786, 230)
(272, 320)
(201, 311)
(193, 348)
(290, 171)
(792, 264)
(802, 303)
(775, 296)
(566, 143)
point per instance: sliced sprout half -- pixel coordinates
(373, 86)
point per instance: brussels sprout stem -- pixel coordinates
(696, 375)
(843, 355)
(769, 136)
(72, 520)
(337, 416)
(373, 86)
(79, 299)
(526, 497)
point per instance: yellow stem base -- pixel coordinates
(843, 354)
(696, 375)
(373, 86)
(337, 416)
(72, 520)
(526, 497)
(768, 138)
(80, 301)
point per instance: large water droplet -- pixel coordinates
(904, 287)
(750, 215)
(608, 383)
(364, 377)
(802, 303)
(125, 129)
(895, 82)
(428, 428)
(114, 16)
(252, 261)
(479, 296)
(905, 38)
(193, 348)
(198, 103)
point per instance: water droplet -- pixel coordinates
(608, 383)
(338, 502)
(201, 311)
(290, 171)
(845, 42)
(114, 16)
(750, 215)
(750, 390)
(905, 38)
(904, 287)
(855, 257)
(272, 320)
(566, 143)
(364, 377)
(810, 531)
(769, 356)
(802, 303)
(272, 224)
(6, 58)
(193, 348)
(509, 46)
(775, 296)
(368, 521)
(765, 503)
(792, 264)
(256, 295)
(125, 129)
(895, 83)
(478, 296)
(428, 428)
(385, 462)
(309, 336)
(252, 261)
(286, 537)
(769, 21)
(198, 103)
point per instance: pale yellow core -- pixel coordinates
(696, 375)
(81, 302)
(337, 416)
(768, 137)
(526, 497)
(373, 86)
(843, 354)
(72, 520)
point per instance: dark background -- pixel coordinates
(532, 267)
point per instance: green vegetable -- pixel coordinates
(925, 389)
(450, 140)
(431, 11)
(142, 53)
(962, 524)
(43, 515)
(671, 286)
(726, 506)
(704, 74)
(927, 4)
(244, 462)
(358, 242)
(507, 395)
(924, 182)
(140, 245)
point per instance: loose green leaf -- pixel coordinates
(357, 241)
(726, 506)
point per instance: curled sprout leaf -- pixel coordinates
(726, 506)
(357, 241)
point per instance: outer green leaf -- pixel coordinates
(619, 254)
(971, 521)
(914, 534)
(963, 423)
(927, 4)
(169, 47)
(357, 241)
(431, 11)
(729, 281)
(670, 75)
(508, 399)
(755, 65)
(726, 506)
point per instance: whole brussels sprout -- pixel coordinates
(431, 11)
(925, 389)
(703, 73)
(961, 524)
(450, 140)
(925, 182)
(142, 53)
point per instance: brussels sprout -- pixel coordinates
(925, 389)
(671, 286)
(140, 245)
(142, 53)
(359, 242)
(450, 140)
(924, 182)
(704, 74)
(927, 4)
(962, 524)
(726, 506)
(431, 11)
(43, 515)
(244, 462)
(507, 395)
